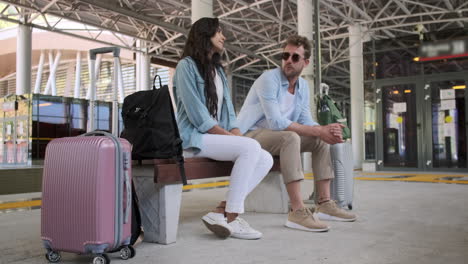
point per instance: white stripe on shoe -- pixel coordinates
(299, 227)
(327, 217)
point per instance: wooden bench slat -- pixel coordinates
(167, 171)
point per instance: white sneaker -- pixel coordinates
(217, 224)
(241, 229)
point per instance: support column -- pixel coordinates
(51, 69)
(115, 97)
(69, 79)
(143, 68)
(120, 82)
(201, 8)
(145, 71)
(76, 91)
(23, 59)
(305, 28)
(97, 70)
(356, 64)
(51, 87)
(137, 70)
(40, 68)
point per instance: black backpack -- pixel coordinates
(150, 126)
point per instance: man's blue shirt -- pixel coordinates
(262, 102)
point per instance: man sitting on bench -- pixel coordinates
(276, 113)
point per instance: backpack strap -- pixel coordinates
(177, 146)
(180, 162)
(137, 228)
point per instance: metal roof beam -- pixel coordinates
(243, 7)
(450, 7)
(112, 6)
(358, 10)
(265, 14)
(337, 11)
(402, 7)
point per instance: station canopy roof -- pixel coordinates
(255, 29)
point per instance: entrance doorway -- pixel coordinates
(421, 123)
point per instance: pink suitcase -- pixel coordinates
(86, 197)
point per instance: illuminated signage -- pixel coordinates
(440, 50)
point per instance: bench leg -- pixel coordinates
(270, 196)
(159, 208)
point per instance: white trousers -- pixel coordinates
(251, 165)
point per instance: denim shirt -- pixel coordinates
(193, 117)
(262, 102)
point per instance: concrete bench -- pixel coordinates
(159, 189)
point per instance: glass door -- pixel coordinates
(446, 113)
(399, 126)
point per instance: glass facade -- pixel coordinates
(36, 119)
(55, 117)
(409, 120)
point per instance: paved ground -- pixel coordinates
(400, 222)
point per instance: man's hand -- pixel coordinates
(332, 133)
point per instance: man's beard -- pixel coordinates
(292, 74)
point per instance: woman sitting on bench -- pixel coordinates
(207, 122)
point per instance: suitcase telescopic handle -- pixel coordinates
(94, 52)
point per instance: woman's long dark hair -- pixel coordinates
(198, 47)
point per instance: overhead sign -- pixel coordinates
(440, 50)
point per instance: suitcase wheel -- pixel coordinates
(101, 259)
(127, 252)
(53, 256)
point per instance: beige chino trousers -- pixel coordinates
(288, 145)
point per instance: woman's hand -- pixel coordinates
(217, 130)
(236, 132)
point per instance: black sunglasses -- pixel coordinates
(295, 57)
